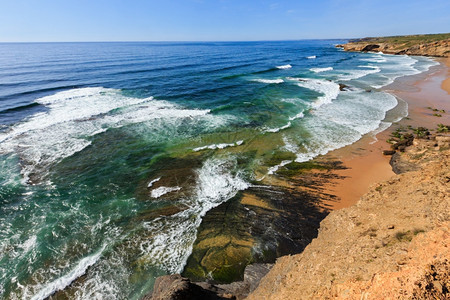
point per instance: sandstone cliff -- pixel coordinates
(394, 244)
(425, 45)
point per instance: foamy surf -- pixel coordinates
(274, 169)
(395, 67)
(375, 59)
(269, 81)
(172, 237)
(284, 67)
(150, 184)
(74, 116)
(342, 123)
(300, 115)
(64, 281)
(311, 57)
(356, 74)
(162, 190)
(273, 130)
(328, 89)
(320, 70)
(218, 146)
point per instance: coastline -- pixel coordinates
(392, 242)
(366, 165)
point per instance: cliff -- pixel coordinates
(437, 45)
(394, 244)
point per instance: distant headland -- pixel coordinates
(437, 45)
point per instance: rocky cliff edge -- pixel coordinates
(393, 244)
(424, 45)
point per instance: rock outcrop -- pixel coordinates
(393, 244)
(176, 287)
(410, 45)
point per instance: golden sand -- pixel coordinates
(365, 162)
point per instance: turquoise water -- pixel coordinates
(111, 153)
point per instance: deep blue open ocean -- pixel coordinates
(97, 138)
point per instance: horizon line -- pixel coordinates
(177, 41)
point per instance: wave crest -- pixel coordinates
(284, 67)
(74, 116)
(320, 70)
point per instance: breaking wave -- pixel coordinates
(74, 117)
(320, 70)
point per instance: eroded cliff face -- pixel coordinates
(394, 244)
(436, 48)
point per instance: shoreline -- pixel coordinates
(366, 165)
(366, 175)
(393, 241)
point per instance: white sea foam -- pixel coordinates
(285, 67)
(29, 244)
(300, 115)
(218, 146)
(63, 281)
(425, 63)
(289, 145)
(355, 74)
(162, 190)
(320, 70)
(76, 115)
(396, 66)
(269, 81)
(311, 57)
(273, 130)
(375, 58)
(274, 169)
(343, 122)
(171, 239)
(150, 184)
(391, 66)
(329, 89)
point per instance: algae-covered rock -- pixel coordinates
(257, 225)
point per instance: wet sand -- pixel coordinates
(446, 83)
(366, 165)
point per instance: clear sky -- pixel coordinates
(216, 20)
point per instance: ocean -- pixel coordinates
(112, 153)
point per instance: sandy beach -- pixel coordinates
(366, 165)
(446, 83)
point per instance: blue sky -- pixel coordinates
(216, 20)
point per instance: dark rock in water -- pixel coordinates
(370, 47)
(389, 152)
(343, 87)
(175, 287)
(252, 276)
(170, 172)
